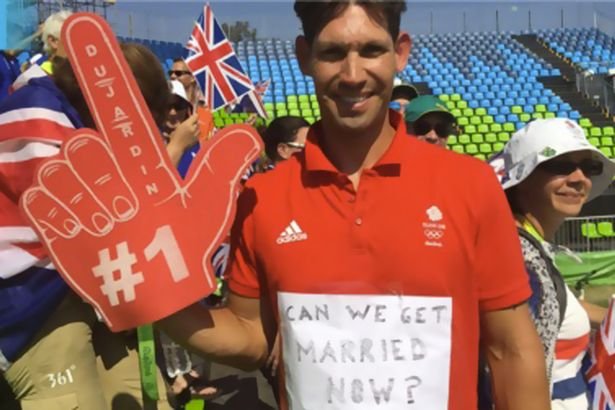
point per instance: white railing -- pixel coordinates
(588, 234)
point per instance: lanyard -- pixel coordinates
(147, 361)
(532, 231)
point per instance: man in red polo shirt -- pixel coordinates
(375, 266)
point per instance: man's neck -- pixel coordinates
(351, 153)
(545, 226)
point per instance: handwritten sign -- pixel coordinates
(364, 351)
(122, 228)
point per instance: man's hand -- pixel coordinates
(123, 229)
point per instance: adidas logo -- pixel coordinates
(292, 233)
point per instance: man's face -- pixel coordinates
(433, 127)
(179, 71)
(353, 61)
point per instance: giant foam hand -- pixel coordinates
(124, 231)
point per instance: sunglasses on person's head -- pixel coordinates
(443, 129)
(178, 73)
(590, 167)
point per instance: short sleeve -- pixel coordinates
(242, 273)
(501, 276)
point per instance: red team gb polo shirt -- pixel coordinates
(377, 292)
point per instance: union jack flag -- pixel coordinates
(213, 62)
(601, 374)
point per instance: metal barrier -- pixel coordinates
(598, 88)
(584, 234)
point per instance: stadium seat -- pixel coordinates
(485, 148)
(608, 131)
(471, 149)
(503, 136)
(608, 151)
(595, 132)
(606, 141)
(606, 229)
(463, 139)
(491, 137)
(589, 230)
(594, 141)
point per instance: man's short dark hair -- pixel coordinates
(315, 14)
(281, 130)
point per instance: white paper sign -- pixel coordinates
(366, 351)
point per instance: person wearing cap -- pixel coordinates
(401, 95)
(181, 129)
(549, 171)
(428, 119)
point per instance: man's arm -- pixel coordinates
(516, 358)
(232, 335)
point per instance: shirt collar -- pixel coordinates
(316, 160)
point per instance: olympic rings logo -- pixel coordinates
(433, 235)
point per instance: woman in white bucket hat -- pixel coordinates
(549, 170)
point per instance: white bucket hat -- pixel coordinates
(542, 140)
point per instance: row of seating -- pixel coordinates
(592, 230)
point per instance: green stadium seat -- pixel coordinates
(606, 229)
(607, 151)
(313, 98)
(525, 117)
(477, 139)
(594, 141)
(496, 127)
(467, 112)
(470, 129)
(462, 104)
(457, 148)
(491, 137)
(292, 105)
(503, 136)
(483, 128)
(498, 146)
(456, 112)
(269, 106)
(310, 120)
(475, 120)
(589, 230)
(464, 139)
(471, 149)
(540, 108)
(606, 141)
(516, 109)
(608, 131)
(482, 157)
(219, 122)
(281, 113)
(509, 127)
(595, 132)
(452, 140)
(307, 112)
(303, 98)
(463, 121)
(444, 97)
(549, 115)
(305, 105)
(315, 104)
(228, 121)
(488, 119)
(294, 113)
(537, 115)
(316, 113)
(455, 97)
(585, 123)
(451, 105)
(485, 148)
(270, 113)
(280, 106)
(481, 112)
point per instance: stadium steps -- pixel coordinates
(567, 90)
(423, 88)
(532, 43)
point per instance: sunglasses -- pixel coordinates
(395, 106)
(295, 145)
(178, 73)
(589, 167)
(442, 129)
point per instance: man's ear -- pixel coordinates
(303, 50)
(403, 46)
(283, 150)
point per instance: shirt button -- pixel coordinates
(358, 221)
